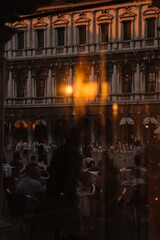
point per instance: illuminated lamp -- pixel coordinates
(69, 90)
(146, 126)
(17, 125)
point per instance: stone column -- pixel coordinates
(10, 85)
(137, 82)
(29, 84)
(114, 82)
(71, 75)
(49, 85)
(53, 90)
(158, 81)
(10, 135)
(92, 73)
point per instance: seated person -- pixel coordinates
(16, 160)
(30, 185)
(89, 162)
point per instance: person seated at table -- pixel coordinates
(140, 170)
(16, 160)
(30, 185)
(89, 162)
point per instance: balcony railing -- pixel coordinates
(50, 101)
(108, 47)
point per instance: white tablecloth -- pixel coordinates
(7, 169)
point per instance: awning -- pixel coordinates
(157, 130)
(150, 120)
(40, 122)
(127, 120)
(21, 122)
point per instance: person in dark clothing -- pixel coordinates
(59, 208)
(16, 160)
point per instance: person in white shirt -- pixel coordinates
(25, 150)
(30, 185)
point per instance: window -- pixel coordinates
(60, 36)
(40, 87)
(150, 82)
(61, 83)
(127, 30)
(40, 38)
(126, 79)
(20, 40)
(150, 27)
(82, 34)
(21, 84)
(104, 32)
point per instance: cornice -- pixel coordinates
(64, 6)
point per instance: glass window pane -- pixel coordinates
(127, 30)
(104, 32)
(60, 36)
(151, 28)
(40, 38)
(82, 34)
(20, 38)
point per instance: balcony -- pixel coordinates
(60, 100)
(87, 48)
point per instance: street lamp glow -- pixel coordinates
(69, 90)
(115, 107)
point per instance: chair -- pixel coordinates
(22, 209)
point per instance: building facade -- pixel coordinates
(96, 62)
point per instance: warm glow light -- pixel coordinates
(115, 107)
(69, 90)
(62, 194)
(156, 199)
(25, 125)
(17, 125)
(146, 126)
(33, 126)
(104, 89)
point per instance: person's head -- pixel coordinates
(33, 158)
(90, 164)
(34, 172)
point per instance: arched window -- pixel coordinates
(126, 79)
(40, 83)
(150, 82)
(21, 83)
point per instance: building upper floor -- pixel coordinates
(66, 30)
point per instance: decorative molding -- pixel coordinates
(40, 24)
(60, 21)
(20, 25)
(150, 12)
(128, 15)
(82, 20)
(104, 18)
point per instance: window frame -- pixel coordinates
(36, 31)
(78, 35)
(146, 27)
(17, 40)
(57, 28)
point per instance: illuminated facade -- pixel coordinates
(107, 52)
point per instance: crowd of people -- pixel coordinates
(76, 197)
